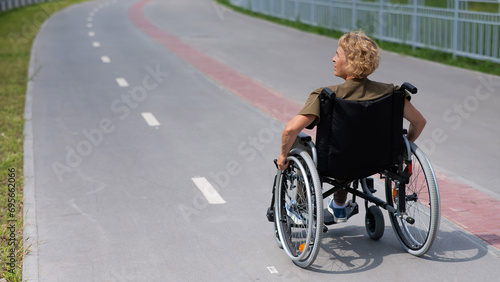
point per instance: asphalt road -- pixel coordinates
(122, 127)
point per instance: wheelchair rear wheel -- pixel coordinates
(422, 204)
(299, 209)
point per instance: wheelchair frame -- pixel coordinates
(298, 228)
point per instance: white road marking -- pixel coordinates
(150, 119)
(105, 59)
(91, 33)
(89, 19)
(272, 269)
(121, 82)
(96, 44)
(89, 25)
(208, 190)
(91, 14)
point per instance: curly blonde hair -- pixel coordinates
(362, 53)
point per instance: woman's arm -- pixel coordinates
(417, 121)
(292, 129)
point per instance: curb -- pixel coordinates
(30, 228)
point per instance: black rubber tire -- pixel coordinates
(374, 222)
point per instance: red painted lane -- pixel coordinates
(475, 211)
(471, 209)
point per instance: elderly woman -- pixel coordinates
(357, 57)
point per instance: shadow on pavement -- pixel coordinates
(452, 246)
(350, 250)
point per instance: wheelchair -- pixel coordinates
(359, 140)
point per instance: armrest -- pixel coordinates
(304, 137)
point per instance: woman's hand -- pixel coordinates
(282, 162)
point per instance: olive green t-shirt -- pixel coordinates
(353, 89)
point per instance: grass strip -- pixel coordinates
(18, 29)
(484, 66)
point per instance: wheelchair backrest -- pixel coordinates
(356, 139)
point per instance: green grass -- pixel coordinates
(436, 3)
(483, 7)
(472, 6)
(18, 28)
(423, 53)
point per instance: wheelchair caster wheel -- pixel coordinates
(374, 222)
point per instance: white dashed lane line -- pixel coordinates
(272, 269)
(150, 119)
(208, 190)
(121, 82)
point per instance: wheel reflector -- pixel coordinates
(301, 247)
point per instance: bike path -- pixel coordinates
(127, 210)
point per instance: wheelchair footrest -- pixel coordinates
(351, 209)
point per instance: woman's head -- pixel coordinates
(357, 56)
